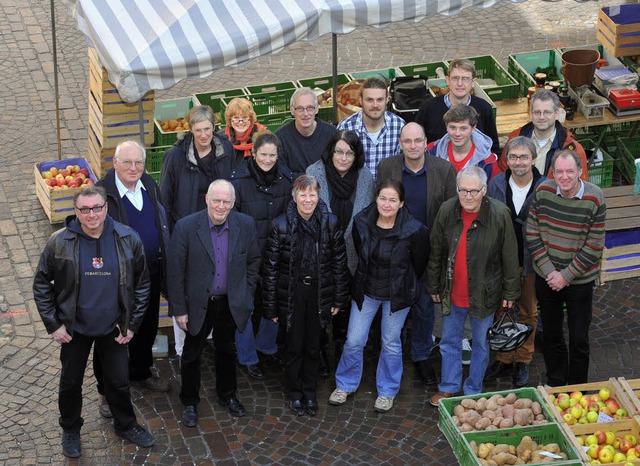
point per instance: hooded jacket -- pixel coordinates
(482, 156)
(181, 175)
(57, 277)
(410, 240)
(278, 267)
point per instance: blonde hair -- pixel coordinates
(240, 106)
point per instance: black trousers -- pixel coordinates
(565, 366)
(141, 345)
(219, 319)
(113, 360)
(302, 344)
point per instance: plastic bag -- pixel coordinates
(636, 186)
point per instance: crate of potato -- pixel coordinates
(539, 444)
(608, 443)
(490, 411)
(579, 407)
(631, 390)
(170, 119)
(57, 182)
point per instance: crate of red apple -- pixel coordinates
(57, 182)
(605, 443)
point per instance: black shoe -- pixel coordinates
(522, 375)
(137, 435)
(255, 371)
(324, 367)
(496, 369)
(426, 372)
(71, 443)
(274, 358)
(311, 407)
(234, 406)
(296, 407)
(190, 416)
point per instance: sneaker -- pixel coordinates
(338, 397)
(522, 374)
(383, 404)
(435, 399)
(71, 443)
(466, 352)
(105, 410)
(496, 369)
(153, 383)
(137, 435)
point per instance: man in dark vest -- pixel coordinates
(134, 200)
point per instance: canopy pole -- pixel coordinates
(334, 51)
(141, 120)
(55, 77)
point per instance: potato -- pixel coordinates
(483, 423)
(473, 416)
(481, 405)
(491, 405)
(502, 401)
(500, 448)
(504, 458)
(506, 423)
(496, 422)
(456, 421)
(458, 410)
(483, 450)
(468, 403)
(540, 417)
(511, 398)
(536, 408)
(523, 417)
(508, 411)
(523, 403)
(491, 427)
(474, 447)
(489, 414)
(466, 427)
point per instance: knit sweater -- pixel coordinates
(567, 234)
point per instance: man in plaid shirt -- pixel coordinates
(378, 129)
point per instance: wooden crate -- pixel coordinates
(632, 391)
(100, 159)
(165, 320)
(57, 204)
(619, 29)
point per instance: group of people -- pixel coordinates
(266, 241)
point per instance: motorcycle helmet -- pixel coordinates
(506, 334)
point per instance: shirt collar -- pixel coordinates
(447, 100)
(224, 226)
(411, 172)
(123, 190)
(577, 195)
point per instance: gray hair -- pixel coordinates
(303, 91)
(566, 154)
(136, 144)
(219, 183)
(521, 141)
(472, 172)
(545, 95)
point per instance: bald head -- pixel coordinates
(413, 144)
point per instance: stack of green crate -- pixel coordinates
(169, 110)
(271, 103)
(628, 150)
(320, 85)
(522, 66)
(600, 172)
(487, 67)
(153, 162)
(216, 100)
(385, 73)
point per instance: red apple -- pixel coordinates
(563, 400)
(76, 168)
(601, 436)
(593, 406)
(65, 172)
(625, 445)
(54, 171)
(84, 171)
(88, 182)
(612, 404)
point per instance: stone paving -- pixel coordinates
(352, 434)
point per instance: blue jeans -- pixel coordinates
(389, 372)
(451, 351)
(265, 342)
(267, 337)
(422, 319)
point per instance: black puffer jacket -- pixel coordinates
(410, 240)
(279, 268)
(258, 200)
(182, 177)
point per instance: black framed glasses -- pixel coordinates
(96, 209)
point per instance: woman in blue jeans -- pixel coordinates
(392, 249)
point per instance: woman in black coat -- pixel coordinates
(305, 281)
(393, 249)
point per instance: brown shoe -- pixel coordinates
(435, 399)
(154, 383)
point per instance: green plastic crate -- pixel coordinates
(424, 69)
(323, 83)
(262, 88)
(169, 109)
(153, 162)
(216, 100)
(487, 67)
(541, 434)
(270, 102)
(275, 120)
(522, 66)
(601, 174)
(385, 73)
(629, 151)
(451, 431)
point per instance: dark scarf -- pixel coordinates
(262, 177)
(341, 189)
(308, 243)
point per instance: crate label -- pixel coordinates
(551, 455)
(602, 417)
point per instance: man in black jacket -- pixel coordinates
(134, 200)
(92, 287)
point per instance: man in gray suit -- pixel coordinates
(428, 182)
(213, 270)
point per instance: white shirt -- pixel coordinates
(518, 194)
(134, 196)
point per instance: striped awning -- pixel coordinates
(154, 44)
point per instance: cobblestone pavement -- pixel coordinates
(352, 434)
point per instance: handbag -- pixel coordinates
(506, 334)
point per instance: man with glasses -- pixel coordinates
(304, 138)
(547, 133)
(377, 128)
(516, 188)
(134, 200)
(428, 182)
(460, 81)
(473, 271)
(91, 288)
(213, 272)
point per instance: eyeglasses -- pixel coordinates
(515, 158)
(416, 141)
(95, 209)
(216, 202)
(472, 192)
(461, 79)
(308, 109)
(545, 113)
(199, 132)
(240, 119)
(130, 163)
(349, 154)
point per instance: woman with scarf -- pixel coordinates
(263, 191)
(347, 187)
(242, 125)
(305, 280)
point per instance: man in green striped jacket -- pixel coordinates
(565, 233)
